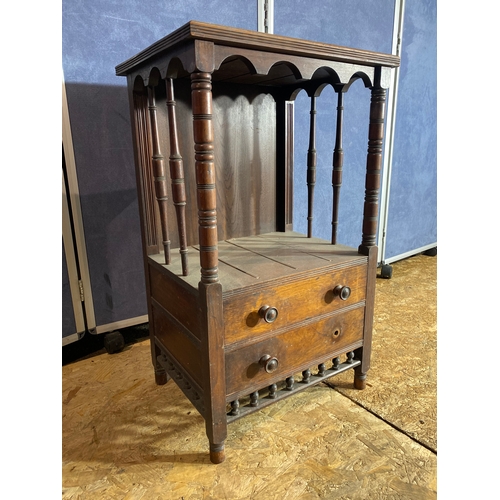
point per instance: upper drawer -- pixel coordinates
(295, 300)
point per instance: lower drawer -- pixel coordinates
(295, 350)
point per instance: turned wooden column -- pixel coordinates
(373, 169)
(159, 174)
(141, 130)
(210, 289)
(311, 167)
(177, 176)
(338, 162)
(201, 100)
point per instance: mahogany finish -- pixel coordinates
(159, 174)
(177, 176)
(338, 162)
(311, 167)
(270, 311)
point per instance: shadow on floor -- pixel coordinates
(92, 345)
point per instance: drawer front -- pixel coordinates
(295, 301)
(295, 350)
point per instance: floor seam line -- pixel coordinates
(432, 450)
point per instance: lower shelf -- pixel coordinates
(267, 396)
(288, 388)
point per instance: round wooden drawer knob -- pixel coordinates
(269, 363)
(344, 292)
(268, 313)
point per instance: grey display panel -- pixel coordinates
(412, 208)
(360, 24)
(96, 36)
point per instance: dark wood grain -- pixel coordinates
(295, 301)
(296, 349)
(245, 205)
(338, 162)
(144, 171)
(159, 173)
(213, 368)
(201, 91)
(373, 169)
(267, 302)
(177, 175)
(311, 166)
(171, 337)
(364, 353)
(147, 212)
(236, 37)
(178, 299)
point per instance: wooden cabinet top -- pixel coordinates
(211, 48)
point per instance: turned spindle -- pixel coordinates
(254, 399)
(201, 101)
(143, 131)
(159, 174)
(177, 176)
(235, 408)
(272, 391)
(349, 357)
(311, 167)
(336, 363)
(338, 162)
(289, 383)
(373, 169)
(321, 369)
(306, 376)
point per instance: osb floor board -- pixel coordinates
(126, 438)
(402, 380)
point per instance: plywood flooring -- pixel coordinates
(403, 373)
(126, 438)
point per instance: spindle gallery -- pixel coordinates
(244, 311)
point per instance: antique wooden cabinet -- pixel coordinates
(243, 310)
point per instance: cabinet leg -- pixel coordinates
(217, 453)
(161, 377)
(359, 379)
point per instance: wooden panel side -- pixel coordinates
(177, 343)
(180, 301)
(245, 156)
(148, 208)
(243, 122)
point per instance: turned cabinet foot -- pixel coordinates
(217, 453)
(161, 377)
(359, 380)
